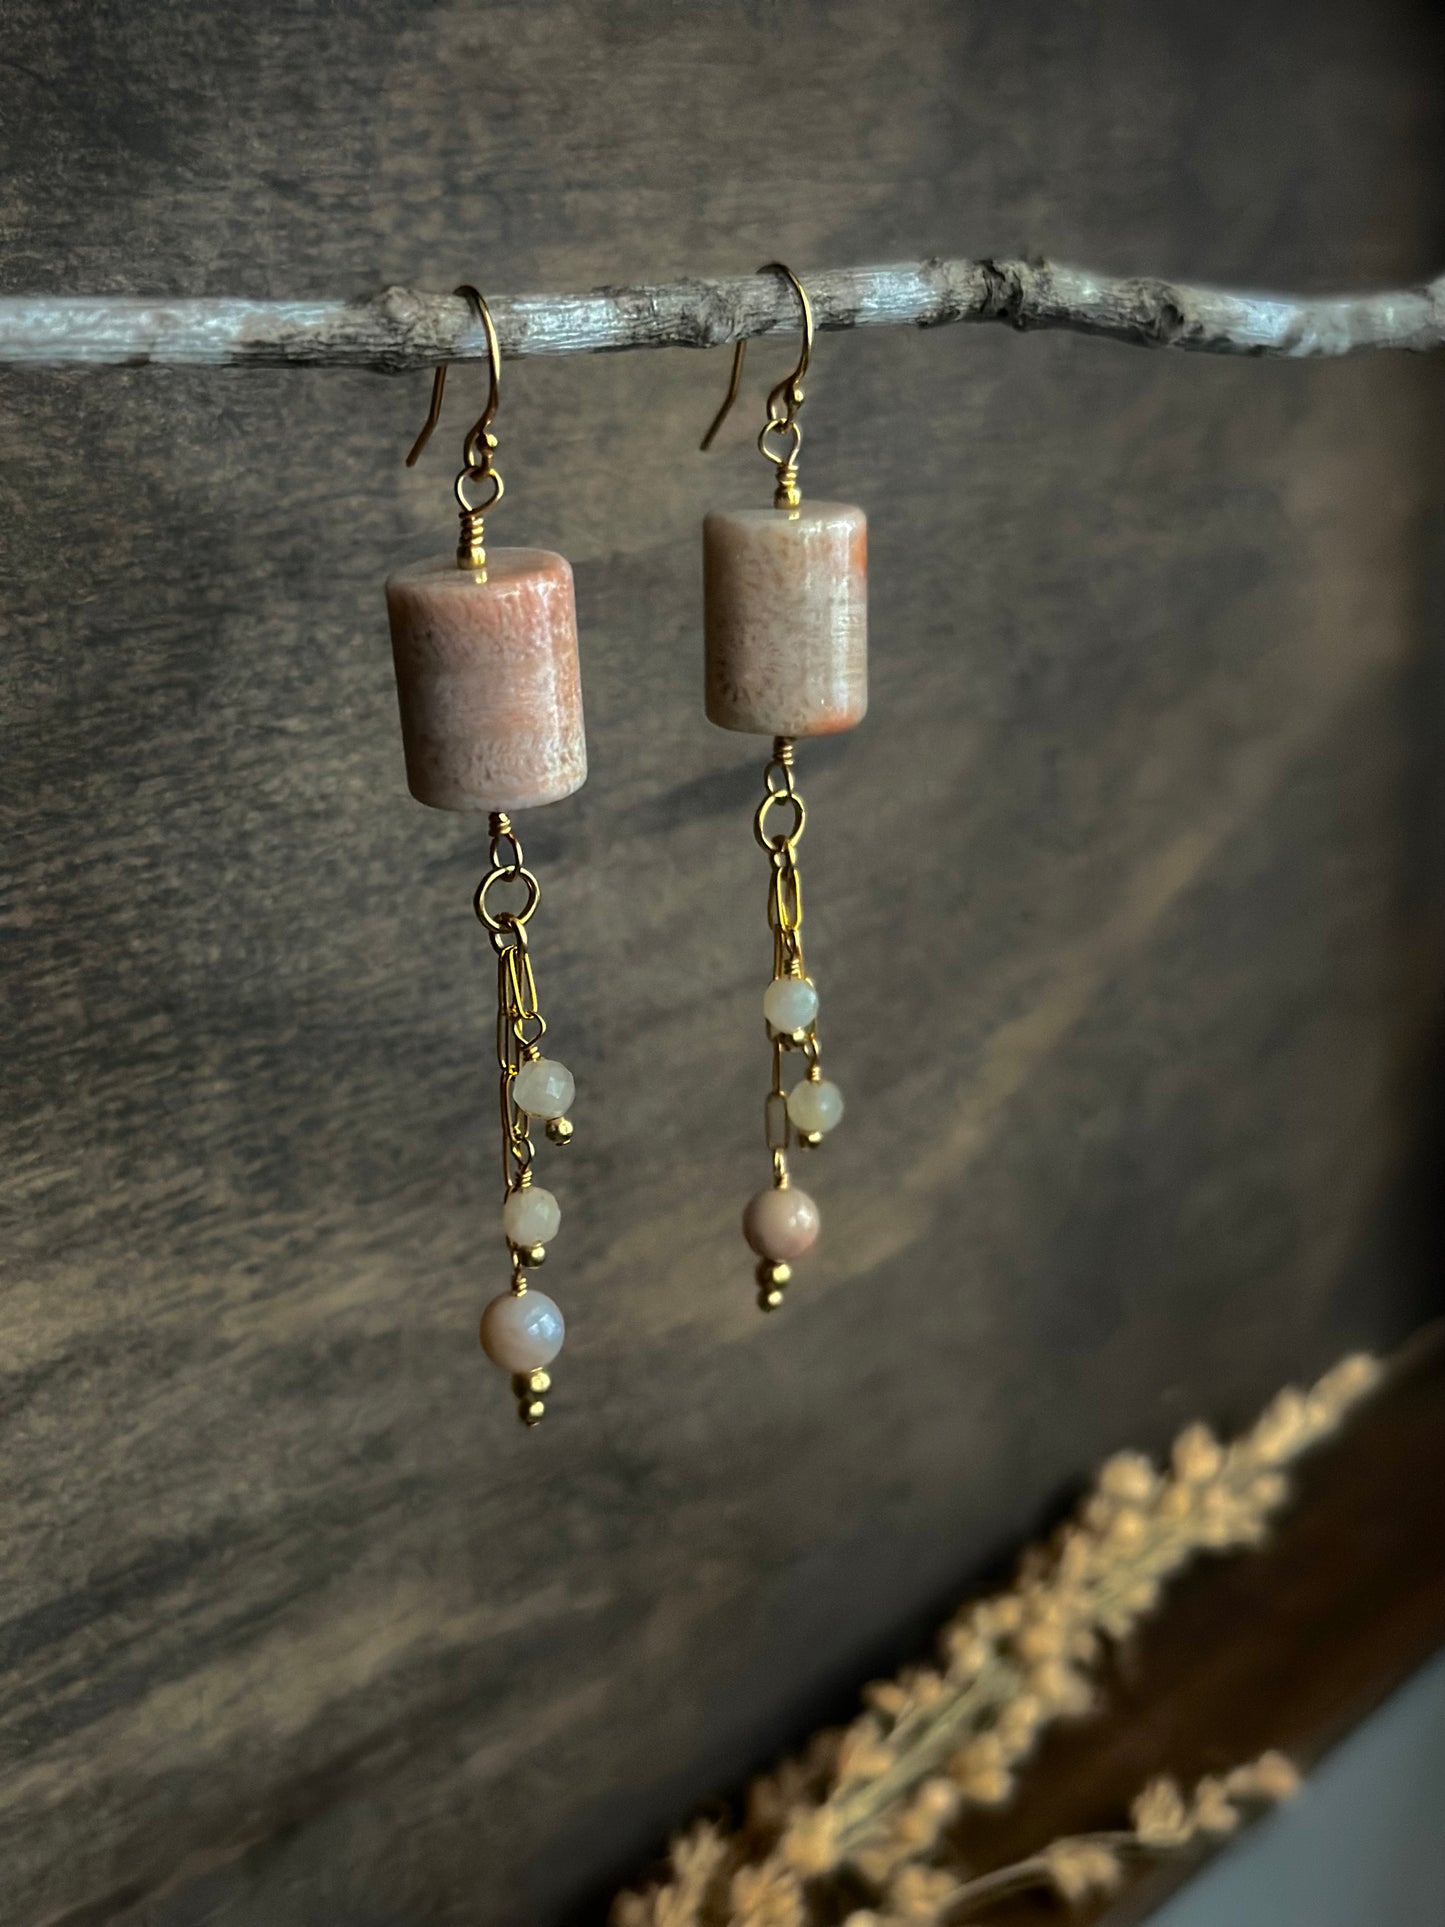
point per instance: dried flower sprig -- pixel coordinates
(876, 1797)
(1089, 1866)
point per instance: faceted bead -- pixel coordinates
(544, 1088)
(781, 1223)
(790, 1003)
(522, 1330)
(814, 1106)
(531, 1216)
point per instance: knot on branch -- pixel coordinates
(1005, 294)
(1159, 315)
(412, 328)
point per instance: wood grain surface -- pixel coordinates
(1125, 903)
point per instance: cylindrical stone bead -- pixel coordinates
(488, 680)
(785, 596)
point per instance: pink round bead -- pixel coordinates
(522, 1331)
(781, 1224)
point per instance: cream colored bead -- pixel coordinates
(531, 1216)
(544, 1088)
(781, 1223)
(789, 1004)
(522, 1330)
(815, 1106)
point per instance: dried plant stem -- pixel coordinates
(1085, 1864)
(1020, 1875)
(925, 1742)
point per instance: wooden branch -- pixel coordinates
(400, 329)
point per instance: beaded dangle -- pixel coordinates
(487, 675)
(785, 604)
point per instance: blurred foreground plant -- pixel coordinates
(867, 1806)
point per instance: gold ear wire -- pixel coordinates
(731, 396)
(784, 400)
(479, 446)
(439, 382)
(789, 391)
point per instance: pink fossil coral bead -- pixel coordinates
(488, 680)
(786, 616)
(781, 1224)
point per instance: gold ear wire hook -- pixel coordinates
(479, 446)
(784, 400)
(439, 382)
(790, 388)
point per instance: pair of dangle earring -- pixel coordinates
(786, 619)
(489, 684)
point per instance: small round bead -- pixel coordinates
(522, 1330)
(773, 1272)
(770, 1298)
(560, 1129)
(815, 1108)
(781, 1223)
(531, 1216)
(789, 1004)
(544, 1088)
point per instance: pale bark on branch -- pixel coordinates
(401, 329)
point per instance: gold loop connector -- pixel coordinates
(780, 839)
(507, 919)
(478, 449)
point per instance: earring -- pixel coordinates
(785, 614)
(487, 675)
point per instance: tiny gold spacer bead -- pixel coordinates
(530, 1409)
(538, 1381)
(773, 1271)
(769, 1300)
(531, 1255)
(810, 1139)
(560, 1129)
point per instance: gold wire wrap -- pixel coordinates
(520, 1030)
(477, 470)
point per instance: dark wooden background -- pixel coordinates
(1126, 904)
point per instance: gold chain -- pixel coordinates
(520, 1024)
(785, 919)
